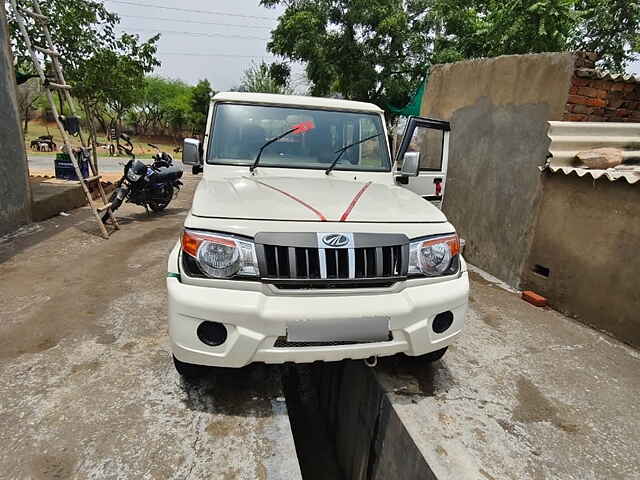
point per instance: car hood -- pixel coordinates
(310, 199)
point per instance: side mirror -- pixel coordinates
(410, 164)
(191, 152)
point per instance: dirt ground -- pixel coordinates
(87, 387)
(140, 143)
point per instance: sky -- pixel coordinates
(195, 45)
(218, 41)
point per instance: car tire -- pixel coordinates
(435, 355)
(191, 371)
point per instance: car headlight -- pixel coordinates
(220, 256)
(434, 256)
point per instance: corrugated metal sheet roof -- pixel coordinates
(569, 138)
(604, 75)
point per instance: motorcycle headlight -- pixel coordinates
(133, 176)
(434, 256)
(221, 256)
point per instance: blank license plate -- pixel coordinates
(363, 329)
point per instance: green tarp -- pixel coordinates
(413, 107)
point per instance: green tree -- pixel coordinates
(380, 50)
(374, 50)
(79, 29)
(104, 68)
(160, 101)
(112, 80)
(485, 28)
(201, 96)
(265, 78)
(610, 28)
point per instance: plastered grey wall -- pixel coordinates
(498, 109)
(587, 234)
(15, 197)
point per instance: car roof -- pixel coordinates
(296, 101)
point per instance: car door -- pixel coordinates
(430, 140)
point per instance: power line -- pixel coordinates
(196, 34)
(196, 21)
(231, 55)
(124, 2)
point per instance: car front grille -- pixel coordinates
(297, 260)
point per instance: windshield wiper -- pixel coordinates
(282, 135)
(344, 149)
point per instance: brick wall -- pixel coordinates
(597, 96)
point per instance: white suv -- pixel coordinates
(303, 242)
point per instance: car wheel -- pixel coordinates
(191, 371)
(435, 356)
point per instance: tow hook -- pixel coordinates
(371, 361)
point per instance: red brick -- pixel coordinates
(587, 91)
(595, 102)
(617, 87)
(573, 90)
(601, 84)
(597, 111)
(627, 87)
(614, 102)
(580, 82)
(575, 117)
(602, 93)
(623, 113)
(577, 99)
(533, 298)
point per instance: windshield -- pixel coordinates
(240, 130)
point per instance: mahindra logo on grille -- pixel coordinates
(336, 240)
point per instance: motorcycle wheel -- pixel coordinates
(115, 204)
(157, 205)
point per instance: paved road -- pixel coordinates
(87, 387)
(105, 164)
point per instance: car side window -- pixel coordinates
(428, 142)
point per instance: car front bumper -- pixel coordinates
(255, 319)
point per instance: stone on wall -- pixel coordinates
(601, 158)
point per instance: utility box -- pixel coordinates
(64, 168)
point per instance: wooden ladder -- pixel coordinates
(61, 85)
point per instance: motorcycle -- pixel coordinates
(150, 186)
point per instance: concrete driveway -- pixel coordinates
(87, 387)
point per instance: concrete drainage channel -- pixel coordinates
(344, 426)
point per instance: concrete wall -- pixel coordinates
(371, 441)
(587, 235)
(15, 196)
(498, 109)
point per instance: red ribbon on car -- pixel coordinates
(320, 215)
(354, 202)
